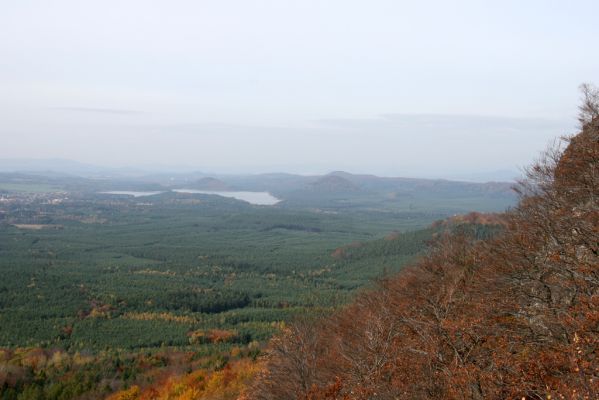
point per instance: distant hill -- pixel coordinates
(210, 183)
(331, 192)
(49, 167)
(333, 184)
(400, 184)
(276, 183)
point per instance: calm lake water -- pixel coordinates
(259, 198)
(132, 193)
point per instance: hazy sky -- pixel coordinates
(422, 88)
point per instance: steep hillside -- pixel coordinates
(512, 316)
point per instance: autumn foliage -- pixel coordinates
(224, 384)
(515, 316)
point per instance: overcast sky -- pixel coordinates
(421, 88)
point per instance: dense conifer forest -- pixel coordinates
(104, 293)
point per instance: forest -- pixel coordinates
(106, 293)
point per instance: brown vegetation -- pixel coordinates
(340, 253)
(225, 384)
(477, 218)
(515, 316)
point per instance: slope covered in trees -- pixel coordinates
(512, 316)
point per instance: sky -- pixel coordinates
(404, 88)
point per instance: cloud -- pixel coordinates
(99, 110)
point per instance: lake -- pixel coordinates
(258, 198)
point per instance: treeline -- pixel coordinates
(204, 302)
(40, 374)
(52, 374)
(511, 316)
